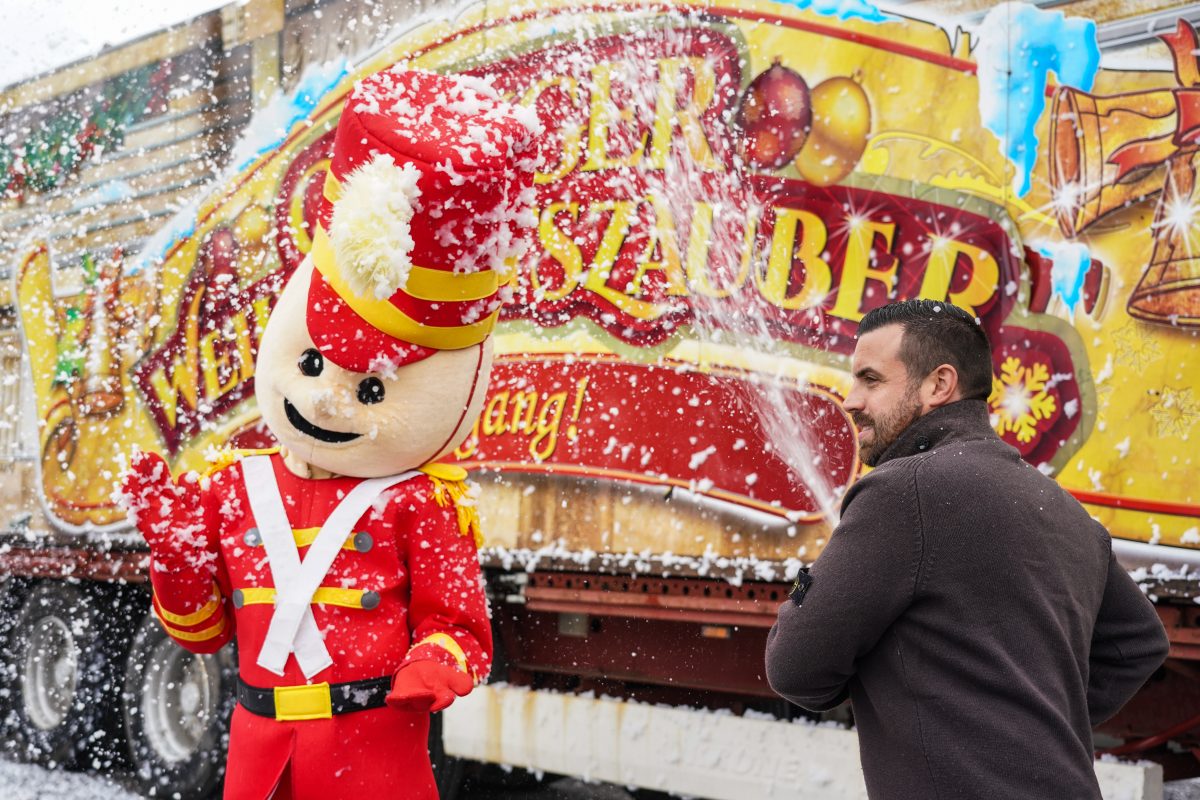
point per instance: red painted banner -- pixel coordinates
(668, 424)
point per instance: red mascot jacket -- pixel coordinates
(405, 586)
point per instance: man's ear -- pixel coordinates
(940, 387)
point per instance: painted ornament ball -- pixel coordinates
(840, 127)
(774, 117)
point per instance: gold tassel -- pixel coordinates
(459, 494)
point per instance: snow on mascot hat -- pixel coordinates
(376, 357)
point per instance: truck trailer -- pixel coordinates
(724, 190)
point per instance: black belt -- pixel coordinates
(314, 701)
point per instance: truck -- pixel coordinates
(724, 190)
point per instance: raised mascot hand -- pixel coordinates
(427, 686)
(168, 514)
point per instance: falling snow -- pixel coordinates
(644, 242)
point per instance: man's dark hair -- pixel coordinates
(936, 333)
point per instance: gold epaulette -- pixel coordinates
(224, 458)
(450, 487)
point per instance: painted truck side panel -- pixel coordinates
(725, 191)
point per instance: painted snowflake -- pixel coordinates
(1021, 399)
(1135, 348)
(1175, 411)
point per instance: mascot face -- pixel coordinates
(362, 424)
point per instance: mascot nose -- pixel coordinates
(325, 404)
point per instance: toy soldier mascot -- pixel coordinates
(345, 561)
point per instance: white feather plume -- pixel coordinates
(370, 230)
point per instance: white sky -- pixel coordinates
(42, 34)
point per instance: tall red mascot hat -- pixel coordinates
(427, 200)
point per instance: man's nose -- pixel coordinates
(853, 401)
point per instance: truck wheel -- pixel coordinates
(62, 668)
(447, 770)
(177, 707)
(12, 597)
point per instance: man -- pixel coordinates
(969, 607)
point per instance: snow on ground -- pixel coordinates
(29, 782)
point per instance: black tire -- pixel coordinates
(63, 657)
(12, 597)
(176, 707)
(447, 770)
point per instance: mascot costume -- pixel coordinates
(345, 561)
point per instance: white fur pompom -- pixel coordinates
(370, 226)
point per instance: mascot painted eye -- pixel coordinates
(370, 391)
(311, 362)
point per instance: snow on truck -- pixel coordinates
(724, 191)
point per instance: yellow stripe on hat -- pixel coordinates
(333, 187)
(439, 286)
(385, 317)
(436, 285)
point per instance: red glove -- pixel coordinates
(427, 685)
(168, 514)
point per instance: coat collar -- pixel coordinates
(960, 421)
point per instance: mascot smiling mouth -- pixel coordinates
(320, 434)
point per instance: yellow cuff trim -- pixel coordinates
(326, 595)
(203, 613)
(447, 643)
(385, 317)
(204, 635)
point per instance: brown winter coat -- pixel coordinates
(973, 613)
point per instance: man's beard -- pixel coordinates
(886, 428)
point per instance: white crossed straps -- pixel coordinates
(292, 628)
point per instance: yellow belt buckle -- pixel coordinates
(294, 703)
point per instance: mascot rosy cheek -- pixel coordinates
(345, 561)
